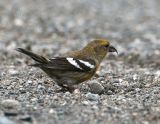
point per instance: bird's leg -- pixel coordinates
(65, 88)
(70, 89)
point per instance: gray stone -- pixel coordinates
(10, 104)
(96, 87)
(92, 97)
(13, 72)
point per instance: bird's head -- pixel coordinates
(99, 48)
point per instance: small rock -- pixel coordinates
(92, 97)
(113, 109)
(13, 72)
(109, 92)
(11, 46)
(96, 87)
(135, 77)
(95, 107)
(29, 82)
(14, 83)
(77, 91)
(34, 100)
(18, 22)
(52, 111)
(22, 90)
(85, 103)
(117, 82)
(10, 104)
(10, 113)
(41, 87)
(124, 83)
(84, 88)
(54, 104)
(26, 118)
(4, 120)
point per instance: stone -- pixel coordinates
(92, 97)
(96, 87)
(10, 104)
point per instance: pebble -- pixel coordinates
(85, 103)
(27, 118)
(113, 109)
(52, 111)
(116, 82)
(22, 90)
(40, 87)
(10, 104)
(109, 92)
(10, 113)
(29, 82)
(13, 72)
(84, 88)
(18, 22)
(135, 77)
(4, 120)
(34, 100)
(92, 97)
(11, 46)
(96, 87)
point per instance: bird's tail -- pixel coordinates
(37, 58)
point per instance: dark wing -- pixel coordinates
(68, 64)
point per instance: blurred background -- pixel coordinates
(50, 24)
(129, 81)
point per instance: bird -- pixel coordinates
(73, 67)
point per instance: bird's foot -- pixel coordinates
(67, 89)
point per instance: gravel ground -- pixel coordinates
(127, 87)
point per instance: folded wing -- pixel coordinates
(68, 64)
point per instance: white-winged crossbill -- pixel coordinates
(74, 67)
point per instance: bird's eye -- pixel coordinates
(107, 45)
